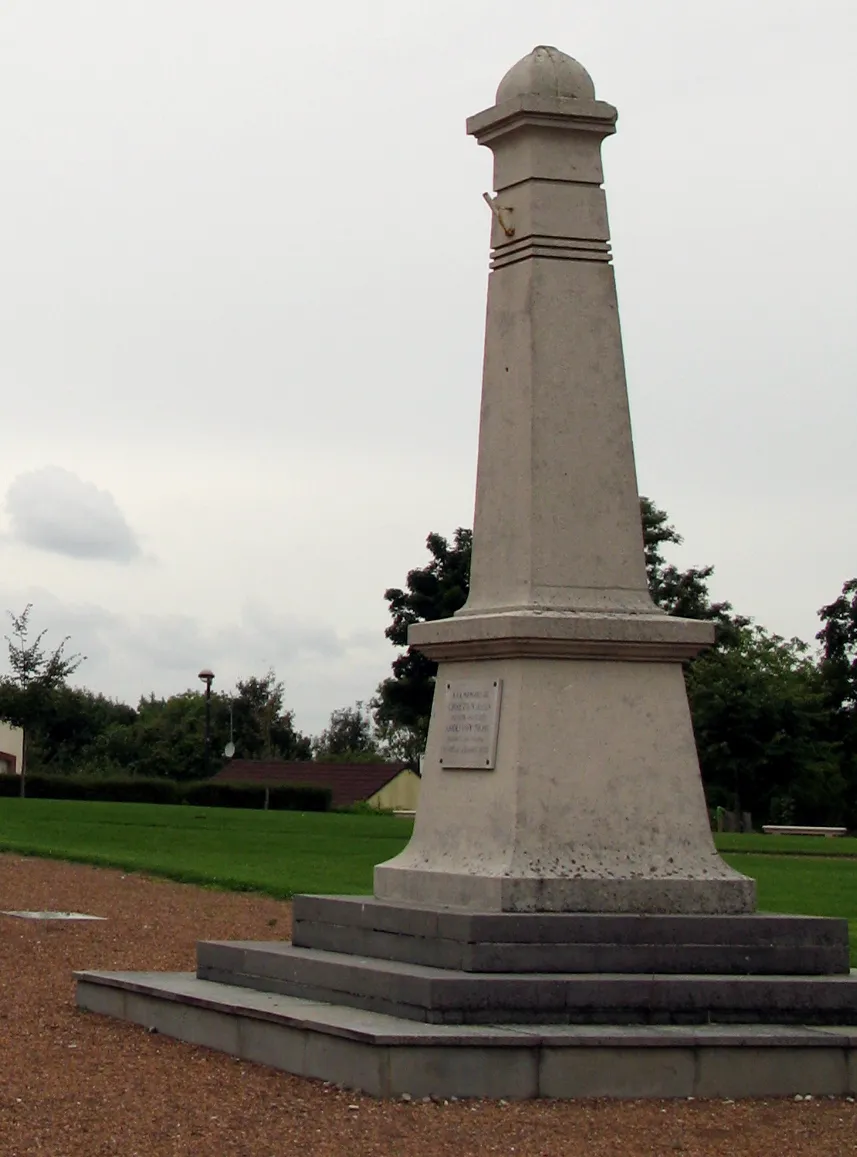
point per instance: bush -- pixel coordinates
(10, 785)
(127, 789)
(299, 797)
(207, 793)
(154, 789)
(39, 786)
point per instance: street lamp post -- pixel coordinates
(207, 678)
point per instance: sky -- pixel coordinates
(243, 262)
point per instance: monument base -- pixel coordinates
(388, 1057)
(396, 999)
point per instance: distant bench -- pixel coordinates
(792, 830)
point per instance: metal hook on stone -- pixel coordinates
(498, 212)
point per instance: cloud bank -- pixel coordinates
(53, 509)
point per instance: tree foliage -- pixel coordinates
(776, 730)
(763, 730)
(348, 737)
(27, 693)
(838, 639)
(681, 592)
(69, 729)
(403, 703)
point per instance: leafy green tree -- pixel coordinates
(762, 729)
(838, 664)
(262, 727)
(74, 719)
(166, 736)
(402, 706)
(35, 675)
(681, 592)
(348, 737)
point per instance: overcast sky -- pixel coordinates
(243, 259)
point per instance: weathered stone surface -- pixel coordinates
(571, 942)
(594, 802)
(387, 1057)
(448, 995)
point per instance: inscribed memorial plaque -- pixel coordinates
(471, 714)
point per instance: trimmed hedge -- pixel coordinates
(208, 793)
(142, 789)
(125, 789)
(281, 797)
(299, 797)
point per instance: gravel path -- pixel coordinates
(78, 1085)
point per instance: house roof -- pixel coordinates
(349, 783)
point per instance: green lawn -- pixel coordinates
(787, 845)
(281, 853)
(277, 852)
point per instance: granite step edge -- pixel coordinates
(383, 1029)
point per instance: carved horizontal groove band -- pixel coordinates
(555, 248)
(621, 650)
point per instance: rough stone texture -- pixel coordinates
(595, 803)
(571, 942)
(388, 1057)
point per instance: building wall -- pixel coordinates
(11, 748)
(400, 794)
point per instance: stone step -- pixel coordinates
(449, 996)
(385, 1056)
(572, 942)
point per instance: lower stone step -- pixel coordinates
(385, 1056)
(450, 996)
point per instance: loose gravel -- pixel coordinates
(73, 1084)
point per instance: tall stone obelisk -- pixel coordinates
(561, 772)
(561, 873)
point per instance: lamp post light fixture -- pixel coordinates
(208, 678)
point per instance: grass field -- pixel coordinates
(282, 853)
(277, 852)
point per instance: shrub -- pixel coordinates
(299, 797)
(154, 789)
(124, 789)
(207, 793)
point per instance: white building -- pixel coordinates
(11, 749)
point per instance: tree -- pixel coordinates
(348, 737)
(402, 705)
(681, 592)
(165, 736)
(25, 694)
(262, 727)
(838, 665)
(762, 730)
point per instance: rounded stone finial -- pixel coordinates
(546, 72)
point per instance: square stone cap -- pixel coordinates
(552, 111)
(647, 638)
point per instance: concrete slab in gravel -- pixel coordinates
(385, 1056)
(53, 916)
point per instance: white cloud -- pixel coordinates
(55, 510)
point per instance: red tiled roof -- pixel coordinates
(349, 783)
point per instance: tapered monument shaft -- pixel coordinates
(561, 772)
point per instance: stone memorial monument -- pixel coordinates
(560, 924)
